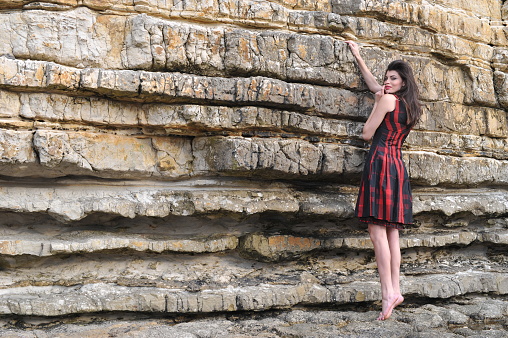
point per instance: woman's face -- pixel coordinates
(393, 82)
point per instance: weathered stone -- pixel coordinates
(77, 242)
(179, 118)
(169, 87)
(289, 56)
(431, 15)
(20, 241)
(500, 58)
(128, 199)
(120, 154)
(269, 15)
(286, 247)
(9, 104)
(303, 158)
(184, 119)
(308, 323)
(52, 301)
(298, 58)
(458, 145)
(278, 247)
(61, 154)
(483, 87)
(196, 157)
(501, 85)
(248, 155)
(480, 311)
(73, 200)
(456, 201)
(175, 270)
(15, 148)
(442, 116)
(455, 170)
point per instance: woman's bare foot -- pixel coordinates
(389, 305)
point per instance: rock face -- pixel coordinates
(197, 157)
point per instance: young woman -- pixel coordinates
(384, 201)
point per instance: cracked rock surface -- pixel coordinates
(190, 168)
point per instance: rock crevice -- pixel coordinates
(169, 159)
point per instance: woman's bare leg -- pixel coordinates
(394, 244)
(382, 250)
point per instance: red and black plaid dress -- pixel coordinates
(385, 191)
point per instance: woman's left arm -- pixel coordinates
(384, 103)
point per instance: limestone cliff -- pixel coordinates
(202, 156)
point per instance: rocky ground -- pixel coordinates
(472, 316)
(190, 168)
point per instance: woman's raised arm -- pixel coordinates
(370, 80)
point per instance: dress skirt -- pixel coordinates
(385, 191)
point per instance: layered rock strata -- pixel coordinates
(482, 314)
(183, 157)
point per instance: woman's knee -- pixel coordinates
(377, 230)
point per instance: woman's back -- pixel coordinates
(394, 129)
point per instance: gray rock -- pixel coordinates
(190, 168)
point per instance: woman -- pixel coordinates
(384, 200)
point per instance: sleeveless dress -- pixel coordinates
(385, 192)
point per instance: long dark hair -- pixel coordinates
(409, 92)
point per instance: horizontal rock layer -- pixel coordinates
(101, 297)
(49, 153)
(68, 201)
(177, 87)
(268, 247)
(190, 157)
(472, 315)
(20, 109)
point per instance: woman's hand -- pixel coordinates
(379, 94)
(355, 49)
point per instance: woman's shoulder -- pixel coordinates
(391, 97)
(389, 101)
